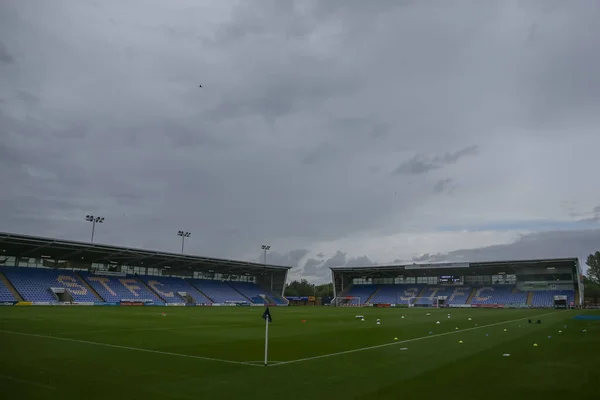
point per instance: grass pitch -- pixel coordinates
(193, 353)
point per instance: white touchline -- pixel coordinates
(26, 381)
(116, 346)
(160, 328)
(405, 341)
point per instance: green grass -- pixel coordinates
(33, 365)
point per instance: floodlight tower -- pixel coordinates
(183, 235)
(265, 248)
(94, 221)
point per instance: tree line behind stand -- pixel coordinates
(591, 280)
(305, 288)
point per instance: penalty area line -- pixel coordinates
(116, 346)
(407, 340)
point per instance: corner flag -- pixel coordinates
(267, 317)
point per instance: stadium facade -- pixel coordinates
(520, 283)
(37, 270)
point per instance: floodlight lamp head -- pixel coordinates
(89, 217)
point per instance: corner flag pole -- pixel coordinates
(266, 339)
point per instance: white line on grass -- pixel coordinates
(116, 346)
(405, 341)
(161, 328)
(26, 381)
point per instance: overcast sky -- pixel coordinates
(338, 131)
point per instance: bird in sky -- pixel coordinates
(199, 85)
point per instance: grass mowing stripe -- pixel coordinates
(407, 340)
(116, 346)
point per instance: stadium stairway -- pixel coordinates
(242, 294)
(10, 287)
(269, 300)
(150, 289)
(423, 290)
(529, 298)
(87, 285)
(473, 291)
(372, 295)
(203, 294)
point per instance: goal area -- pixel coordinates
(347, 301)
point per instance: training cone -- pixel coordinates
(470, 319)
(395, 338)
(403, 316)
(438, 322)
(456, 328)
(504, 329)
(535, 345)
(460, 341)
(303, 320)
(559, 331)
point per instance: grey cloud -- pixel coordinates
(337, 260)
(311, 267)
(358, 261)
(558, 85)
(124, 130)
(443, 185)
(451, 158)
(555, 244)
(291, 258)
(319, 269)
(268, 17)
(322, 152)
(5, 57)
(421, 164)
(28, 97)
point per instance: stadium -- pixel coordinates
(517, 284)
(94, 321)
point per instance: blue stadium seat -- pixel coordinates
(115, 289)
(33, 284)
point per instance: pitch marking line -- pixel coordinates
(26, 381)
(406, 341)
(168, 328)
(115, 346)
